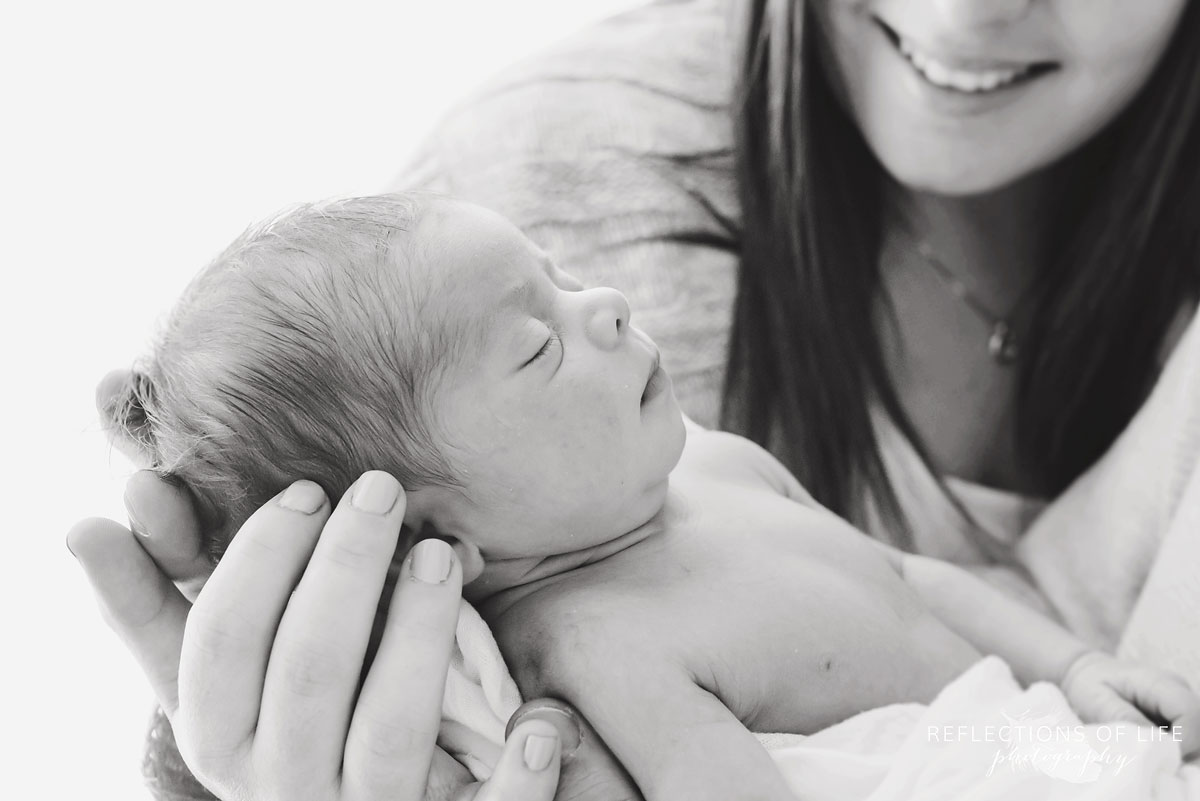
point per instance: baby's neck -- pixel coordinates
(504, 582)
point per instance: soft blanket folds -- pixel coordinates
(984, 738)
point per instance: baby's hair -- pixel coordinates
(296, 354)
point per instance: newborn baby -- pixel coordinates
(678, 596)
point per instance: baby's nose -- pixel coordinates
(608, 317)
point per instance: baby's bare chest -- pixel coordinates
(784, 613)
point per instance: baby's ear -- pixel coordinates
(469, 557)
(121, 398)
(422, 516)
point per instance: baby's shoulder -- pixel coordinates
(571, 633)
(730, 458)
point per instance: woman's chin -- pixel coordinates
(951, 170)
(951, 178)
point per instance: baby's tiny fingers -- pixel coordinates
(1189, 729)
(1106, 706)
(1121, 710)
(1163, 696)
(1178, 706)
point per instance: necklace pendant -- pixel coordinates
(1002, 344)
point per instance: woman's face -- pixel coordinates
(965, 96)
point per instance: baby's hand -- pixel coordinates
(1102, 688)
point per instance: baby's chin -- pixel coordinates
(669, 450)
(676, 438)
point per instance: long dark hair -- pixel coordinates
(805, 363)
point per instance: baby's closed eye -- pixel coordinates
(552, 341)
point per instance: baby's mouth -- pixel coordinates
(656, 381)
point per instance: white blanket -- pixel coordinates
(984, 737)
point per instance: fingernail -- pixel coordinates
(68, 543)
(431, 561)
(304, 497)
(539, 750)
(558, 714)
(376, 492)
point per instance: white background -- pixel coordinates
(136, 140)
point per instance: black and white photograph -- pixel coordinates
(604, 400)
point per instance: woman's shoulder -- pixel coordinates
(1093, 548)
(625, 118)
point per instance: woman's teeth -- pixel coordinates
(946, 77)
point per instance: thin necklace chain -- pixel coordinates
(1002, 339)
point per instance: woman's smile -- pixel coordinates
(965, 98)
(951, 69)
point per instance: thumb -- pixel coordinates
(528, 768)
(589, 770)
(137, 600)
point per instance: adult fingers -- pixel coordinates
(138, 601)
(528, 768)
(165, 520)
(161, 513)
(589, 771)
(390, 747)
(448, 779)
(318, 654)
(233, 624)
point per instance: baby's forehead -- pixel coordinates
(472, 265)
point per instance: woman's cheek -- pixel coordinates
(1112, 32)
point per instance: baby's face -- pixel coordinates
(551, 407)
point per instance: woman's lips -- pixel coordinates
(951, 70)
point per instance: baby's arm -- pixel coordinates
(676, 739)
(1099, 686)
(1035, 647)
